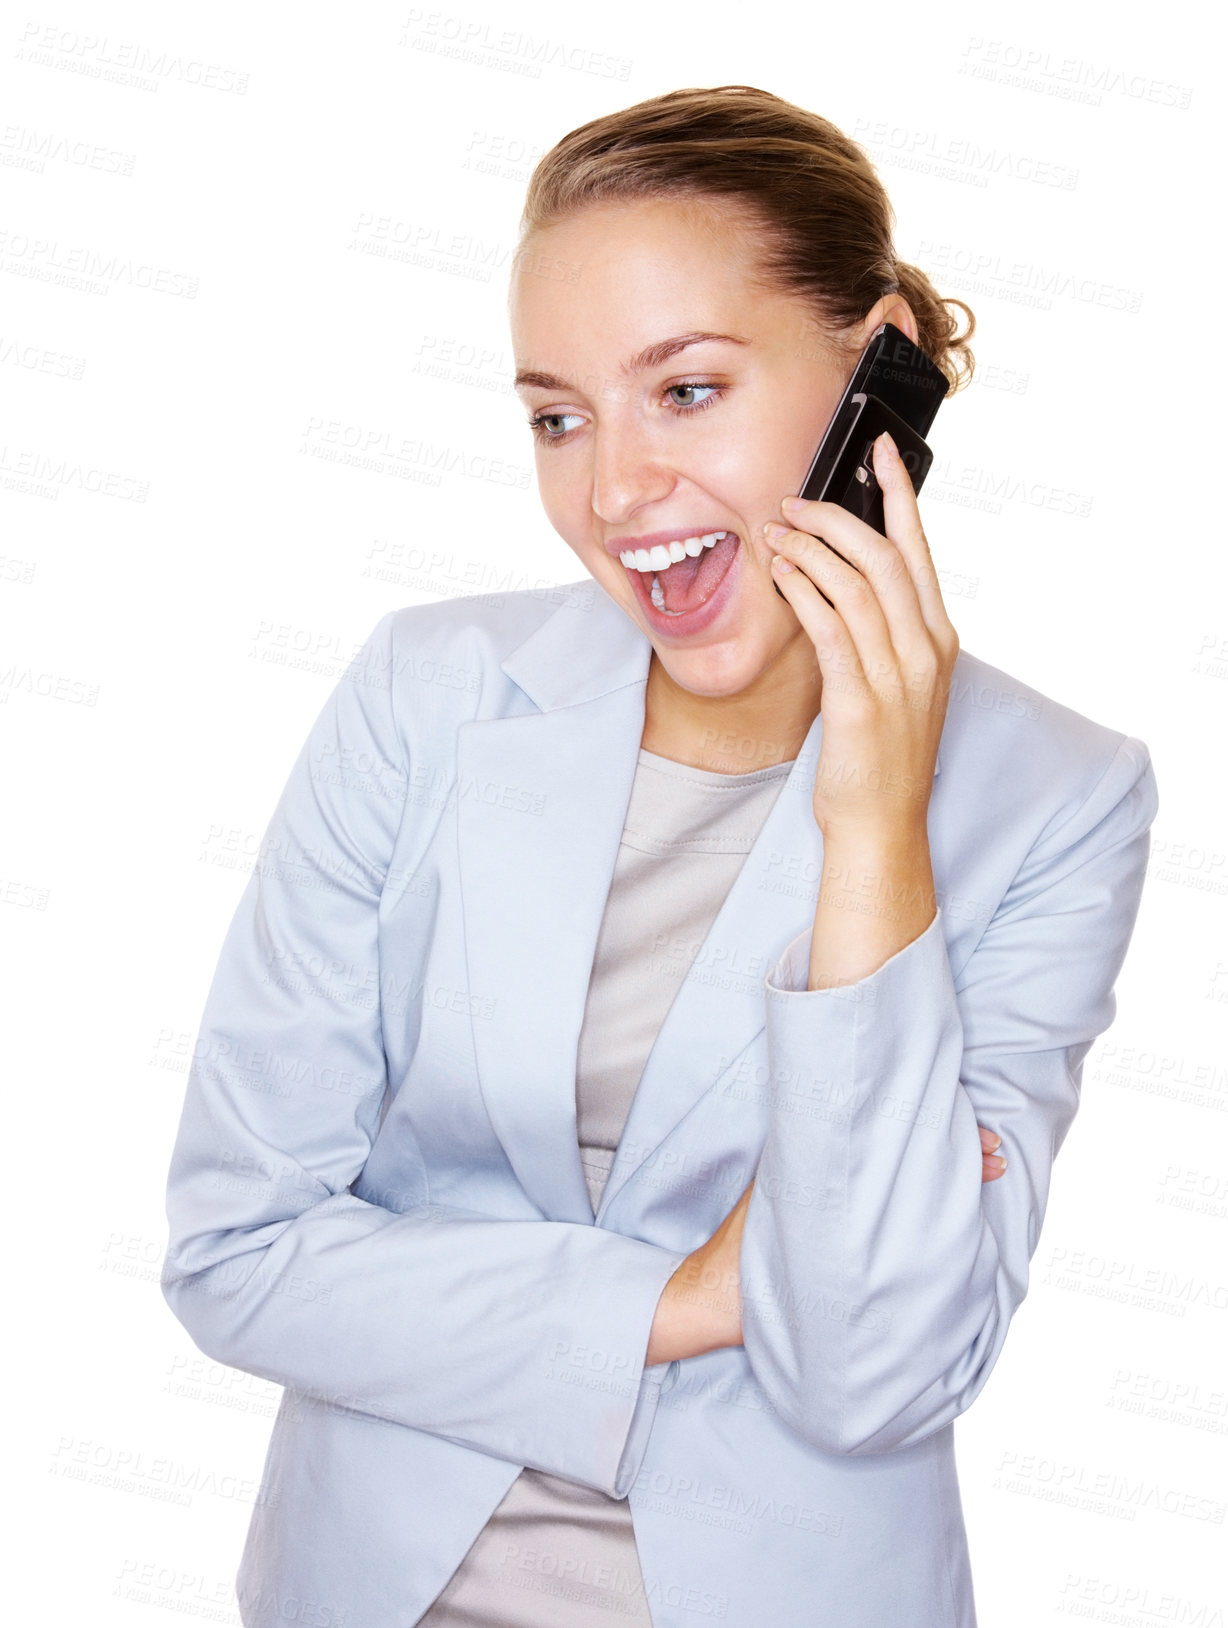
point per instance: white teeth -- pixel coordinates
(657, 595)
(663, 555)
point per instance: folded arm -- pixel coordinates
(878, 1274)
(522, 1339)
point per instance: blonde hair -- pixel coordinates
(825, 222)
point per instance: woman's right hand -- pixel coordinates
(700, 1308)
(992, 1164)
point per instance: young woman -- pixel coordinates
(593, 1117)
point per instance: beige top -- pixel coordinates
(555, 1552)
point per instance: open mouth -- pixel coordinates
(682, 576)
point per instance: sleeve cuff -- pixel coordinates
(615, 1392)
(791, 973)
(640, 1429)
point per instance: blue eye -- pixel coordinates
(554, 426)
(688, 391)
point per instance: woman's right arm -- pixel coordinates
(700, 1308)
(522, 1339)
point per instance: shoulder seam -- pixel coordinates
(1123, 742)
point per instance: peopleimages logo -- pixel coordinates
(467, 39)
(1020, 281)
(47, 260)
(1072, 79)
(98, 56)
(958, 158)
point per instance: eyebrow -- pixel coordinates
(651, 356)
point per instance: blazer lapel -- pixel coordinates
(540, 809)
(720, 1008)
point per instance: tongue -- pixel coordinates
(689, 582)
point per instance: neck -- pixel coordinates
(765, 723)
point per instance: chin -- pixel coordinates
(717, 670)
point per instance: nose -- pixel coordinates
(628, 472)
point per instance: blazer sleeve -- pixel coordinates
(879, 1273)
(465, 1325)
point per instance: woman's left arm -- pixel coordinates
(877, 1277)
(873, 1313)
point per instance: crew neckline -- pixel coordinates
(685, 771)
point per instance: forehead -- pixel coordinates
(617, 276)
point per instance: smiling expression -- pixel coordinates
(675, 399)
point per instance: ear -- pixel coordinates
(893, 308)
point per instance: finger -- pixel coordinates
(825, 626)
(848, 593)
(990, 1140)
(992, 1166)
(902, 518)
(883, 566)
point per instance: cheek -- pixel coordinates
(564, 497)
(756, 462)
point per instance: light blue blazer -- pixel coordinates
(376, 1198)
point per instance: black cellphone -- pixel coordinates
(894, 387)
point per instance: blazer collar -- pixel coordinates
(586, 649)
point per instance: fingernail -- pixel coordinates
(888, 445)
(782, 566)
(996, 1159)
(792, 504)
(773, 530)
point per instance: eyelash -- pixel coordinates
(537, 423)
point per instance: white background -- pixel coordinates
(186, 569)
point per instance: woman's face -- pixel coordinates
(677, 401)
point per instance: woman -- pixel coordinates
(584, 1125)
